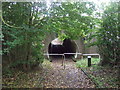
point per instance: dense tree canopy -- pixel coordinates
(22, 32)
(25, 25)
(74, 19)
(109, 34)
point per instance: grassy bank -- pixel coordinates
(104, 77)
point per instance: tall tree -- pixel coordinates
(109, 35)
(23, 34)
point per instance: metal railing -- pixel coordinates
(63, 61)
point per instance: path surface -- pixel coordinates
(70, 77)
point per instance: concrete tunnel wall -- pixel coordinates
(68, 46)
(80, 45)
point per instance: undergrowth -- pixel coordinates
(103, 76)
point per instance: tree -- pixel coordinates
(23, 34)
(74, 19)
(109, 35)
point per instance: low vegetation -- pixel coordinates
(22, 79)
(103, 76)
(84, 62)
(25, 25)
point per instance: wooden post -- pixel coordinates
(89, 61)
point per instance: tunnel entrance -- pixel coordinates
(59, 47)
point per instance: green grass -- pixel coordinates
(47, 64)
(84, 62)
(103, 76)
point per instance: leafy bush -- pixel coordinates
(23, 37)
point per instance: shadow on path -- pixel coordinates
(70, 77)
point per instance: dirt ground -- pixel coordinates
(70, 77)
(53, 75)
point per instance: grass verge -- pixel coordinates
(104, 77)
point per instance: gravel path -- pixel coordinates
(70, 77)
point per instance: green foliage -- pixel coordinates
(25, 24)
(22, 31)
(7, 72)
(97, 81)
(70, 20)
(108, 35)
(84, 62)
(103, 77)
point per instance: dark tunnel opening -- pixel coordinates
(68, 46)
